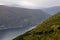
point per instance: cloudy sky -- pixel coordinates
(31, 3)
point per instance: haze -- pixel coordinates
(33, 4)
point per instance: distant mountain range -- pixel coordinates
(52, 10)
(47, 30)
(12, 17)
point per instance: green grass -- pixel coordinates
(47, 30)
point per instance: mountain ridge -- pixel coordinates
(11, 17)
(52, 10)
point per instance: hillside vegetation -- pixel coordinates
(47, 30)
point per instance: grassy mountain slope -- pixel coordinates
(11, 17)
(47, 30)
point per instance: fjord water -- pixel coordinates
(9, 34)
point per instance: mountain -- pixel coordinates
(47, 30)
(52, 10)
(12, 17)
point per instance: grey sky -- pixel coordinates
(31, 3)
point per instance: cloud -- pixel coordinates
(31, 3)
(27, 4)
